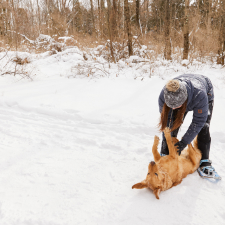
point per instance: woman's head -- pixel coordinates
(175, 94)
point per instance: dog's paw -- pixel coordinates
(156, 138)
(167, 130)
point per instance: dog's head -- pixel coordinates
(154, 180)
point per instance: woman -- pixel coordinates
(186, 93)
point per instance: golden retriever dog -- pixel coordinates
(168, 171)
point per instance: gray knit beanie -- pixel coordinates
(175, 93)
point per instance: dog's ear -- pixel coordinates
(141, 185)
(156, 192)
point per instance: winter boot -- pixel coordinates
(204, 148)
(208, 171)
(205, 169)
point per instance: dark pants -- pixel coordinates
(204, 138)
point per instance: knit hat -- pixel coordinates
(175, 93)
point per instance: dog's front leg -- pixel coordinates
(155, 149)
(171, 147)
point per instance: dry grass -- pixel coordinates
(203, 43)
(21, 61)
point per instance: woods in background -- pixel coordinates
(196, 27)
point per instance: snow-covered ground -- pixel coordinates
(71, 148)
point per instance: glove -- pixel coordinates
(180, 146)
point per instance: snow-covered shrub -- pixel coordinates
(20, 61)
(120, 50)
(18, 64)
(48, 43)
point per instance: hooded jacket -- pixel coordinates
(200, 93)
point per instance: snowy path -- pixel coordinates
(62, 165)
(64, 168)
(71, 149)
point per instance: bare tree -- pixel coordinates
(209, 16)
(167, 51)
(145, 14)
(221, 48)
(92, 16)
(99, 18)
(128, 26)
(110, 29)
(114, 19)
(186, 30)
(39, 17)
(138, 14)
(102, 27)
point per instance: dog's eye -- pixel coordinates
(156, 174)
(148, 173)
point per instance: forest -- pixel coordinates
(182, 28)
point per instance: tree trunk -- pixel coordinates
(120, 19)
(99, 19)
(209, 17)
(138, 14)
(128, 26)
(102, 15)
(145, 26)
(114, 19)
(39, 18)
(47, 16)
(110, 30)
(221, 49)
(15, 24)
(167, 51)
(186, 30)
(92, 16)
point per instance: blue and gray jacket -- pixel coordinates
(200, 93)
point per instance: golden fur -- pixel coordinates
(168, 171)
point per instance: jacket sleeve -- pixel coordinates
(161, 100)
(200, 114)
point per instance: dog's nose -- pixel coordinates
(152, 163)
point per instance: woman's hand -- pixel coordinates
(180, 145)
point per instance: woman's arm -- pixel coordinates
(200, 113)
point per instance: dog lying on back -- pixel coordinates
(168, 171)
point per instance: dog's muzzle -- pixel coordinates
(152, 163)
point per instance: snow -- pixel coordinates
(72, 146)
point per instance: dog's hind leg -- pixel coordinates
(171, 147)
(176, 183)
(193, 155)
(155, 149)
(195, 142)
